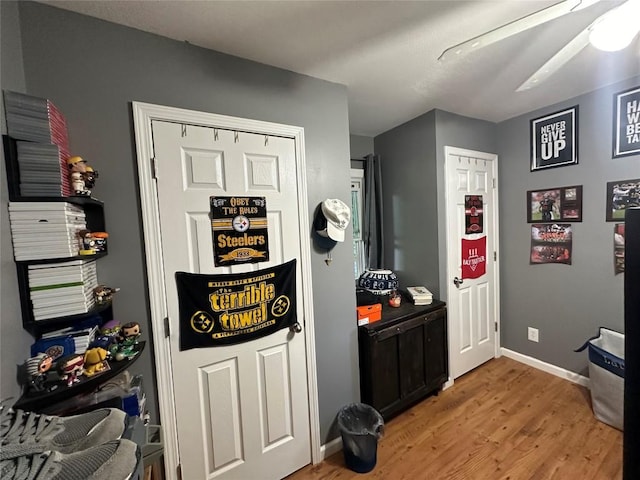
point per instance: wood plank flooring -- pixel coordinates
(504, 420)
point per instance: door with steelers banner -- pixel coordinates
(242, 407)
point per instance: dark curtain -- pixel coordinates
(372, 213)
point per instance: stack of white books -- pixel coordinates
(37, 119)
(420, 295)
(42, 230)
(62, 289)
(43, 170)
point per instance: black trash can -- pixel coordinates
(360, 427)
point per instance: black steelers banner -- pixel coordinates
(239, 226)
(233, 308)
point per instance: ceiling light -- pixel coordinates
(617, 28)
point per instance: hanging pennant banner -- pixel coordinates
(474, 257)
(228, 309)
(239, 226)
(473, 213)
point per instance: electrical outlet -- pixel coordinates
(532, 334)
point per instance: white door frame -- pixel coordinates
(143, 114)
(450, 241)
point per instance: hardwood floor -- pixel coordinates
(504, 420)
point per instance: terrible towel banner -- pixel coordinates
(227, 309)
(239, 226)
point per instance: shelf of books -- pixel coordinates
(58, 235)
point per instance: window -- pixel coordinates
(357, 200)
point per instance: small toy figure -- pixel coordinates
(108, 336)
(95, 361)
(99, 240)
(37, 368)
(87, 243)
(77, 168)
(127, 341)
(70, 368)
(104, 294)
(90, 175)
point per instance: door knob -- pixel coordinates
(295, 328)
(457, 281)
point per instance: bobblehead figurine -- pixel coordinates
(37, 368)
(77, 173)
(70, 368)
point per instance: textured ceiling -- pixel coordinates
(386, 52)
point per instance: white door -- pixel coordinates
(242, 411)
(471, 302)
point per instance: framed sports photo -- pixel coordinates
(554, 139)
(622, 194)
(558, 204)
(626, 123)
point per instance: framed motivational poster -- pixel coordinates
(554, 139)
(626, 123)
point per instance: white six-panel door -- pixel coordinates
(242, 411)
(472, 304)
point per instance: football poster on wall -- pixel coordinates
(618, 248)
(473, 213)
(554, 139)
(551, 243)
(474, 257)
(227, 309)
(626, 123)
(239, 226)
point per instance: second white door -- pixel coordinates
(471, 302)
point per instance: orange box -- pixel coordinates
(369, 313)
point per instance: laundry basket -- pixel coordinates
(606, 376)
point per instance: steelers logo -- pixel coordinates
(201, 322)
(280, 306)
(241, 223)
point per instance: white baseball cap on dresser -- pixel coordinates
(338, 216)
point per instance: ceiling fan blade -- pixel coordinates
(569, 51)
(517, 26)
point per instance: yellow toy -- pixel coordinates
(95, 361)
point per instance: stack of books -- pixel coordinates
(62, 289)
(420, 295)
(65, 341)
(43, 170)
(42, 230)
(38, 120)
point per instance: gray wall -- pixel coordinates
(92, 70)
(567, 303)
(360, 146)
(14, 341)
(408, 157)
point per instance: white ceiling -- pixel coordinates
(386, 52)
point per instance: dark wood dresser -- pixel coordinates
(403, 356)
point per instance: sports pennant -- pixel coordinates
(474, 257)
(228, 309)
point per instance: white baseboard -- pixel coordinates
(328, 449)
(547, 367)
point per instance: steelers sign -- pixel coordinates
(234, 308)
(239, 226)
